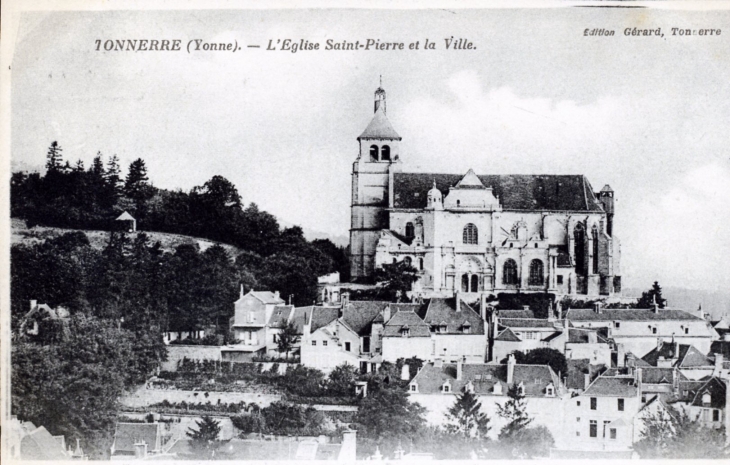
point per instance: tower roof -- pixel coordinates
(379, 127)
(606, 188)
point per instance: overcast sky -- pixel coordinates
(649, 116)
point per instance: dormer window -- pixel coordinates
(550, 390)
(466, 327)
(469, 387)
(405, 331)
(446, 387)
(414, 387)
(497, 389)
(521, 388)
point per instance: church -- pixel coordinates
(478, 233)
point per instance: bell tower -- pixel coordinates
(378, 157)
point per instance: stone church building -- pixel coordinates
(477, 233)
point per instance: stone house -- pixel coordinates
(250, 321)
(437, 385)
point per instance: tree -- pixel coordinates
(341, 380)
(204, 441)
(385, 419)
(97, 166)
(648, 298)
(670, 433)
(287, 337)
(542, 356)
(515, 412)
(113, 176)
(396, 278)
(71, 387)
(466, 419)
(54, 159)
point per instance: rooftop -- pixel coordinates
(379, 127)
(442, 311)
(612, 386)
(515, 192)
(629, 314)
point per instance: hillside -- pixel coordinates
(21, 234)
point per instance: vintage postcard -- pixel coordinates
(370, 231)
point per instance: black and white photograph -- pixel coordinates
(372, 231)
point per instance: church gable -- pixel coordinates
(515, 192)
(470, 181)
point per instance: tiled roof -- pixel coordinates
(716, 388)
(654, 375)
(516, 314)
(612, 386)
(515, 192)
(38, 444)
(406, 319)
(125, 217)
(321, 316)
(379, 128)
(267, 297)
(526, 323)
(127, 434)
(721, 347)
(443, 310)
(243, 449)
(686, 356)
(280, 315)
(360, 315)
(635, 314)
(580, 336)
(507, 335)
(577, 369)
(535, 378)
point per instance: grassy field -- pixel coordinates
(21, 234)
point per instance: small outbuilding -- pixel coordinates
(126, 222)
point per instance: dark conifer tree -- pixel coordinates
(54, 158)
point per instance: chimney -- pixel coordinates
(598, 308)
(241, 295)
(457, 301)
(586, 380)
(349, 447)
(654, 305)
(726, 336)
(620, 355)
(33, 304)
(639, 375)
(659, 343)
(140, 450)
(405, 372)
(510, 368)
(592, 337)
(386, 313)
(525, 307)
(459, 369)
(483, 305)
(551, 312)
(345, 299)
(718, 365)
(276, 295)
(438, 363)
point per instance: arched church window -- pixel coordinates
(509, 272)
(410, 230)
(579, 249)
(594, 235)
(373, 153)
(471, 234)
(474, 283)
(536, 273)
(385, 153)
(464, 283)
(420, 264)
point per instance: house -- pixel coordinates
(589, 344)
(250, 321)
(41, 318)
(459, 332)
(706, 401)
(126, 222)
(22, 440)
(581, 374)
(330, 345)
(691, 362)
(638, 329)
(437, 385)
(138, 440)
(601, 418)
(282, 448)
(514, 330)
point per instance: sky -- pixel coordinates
(647, 115)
